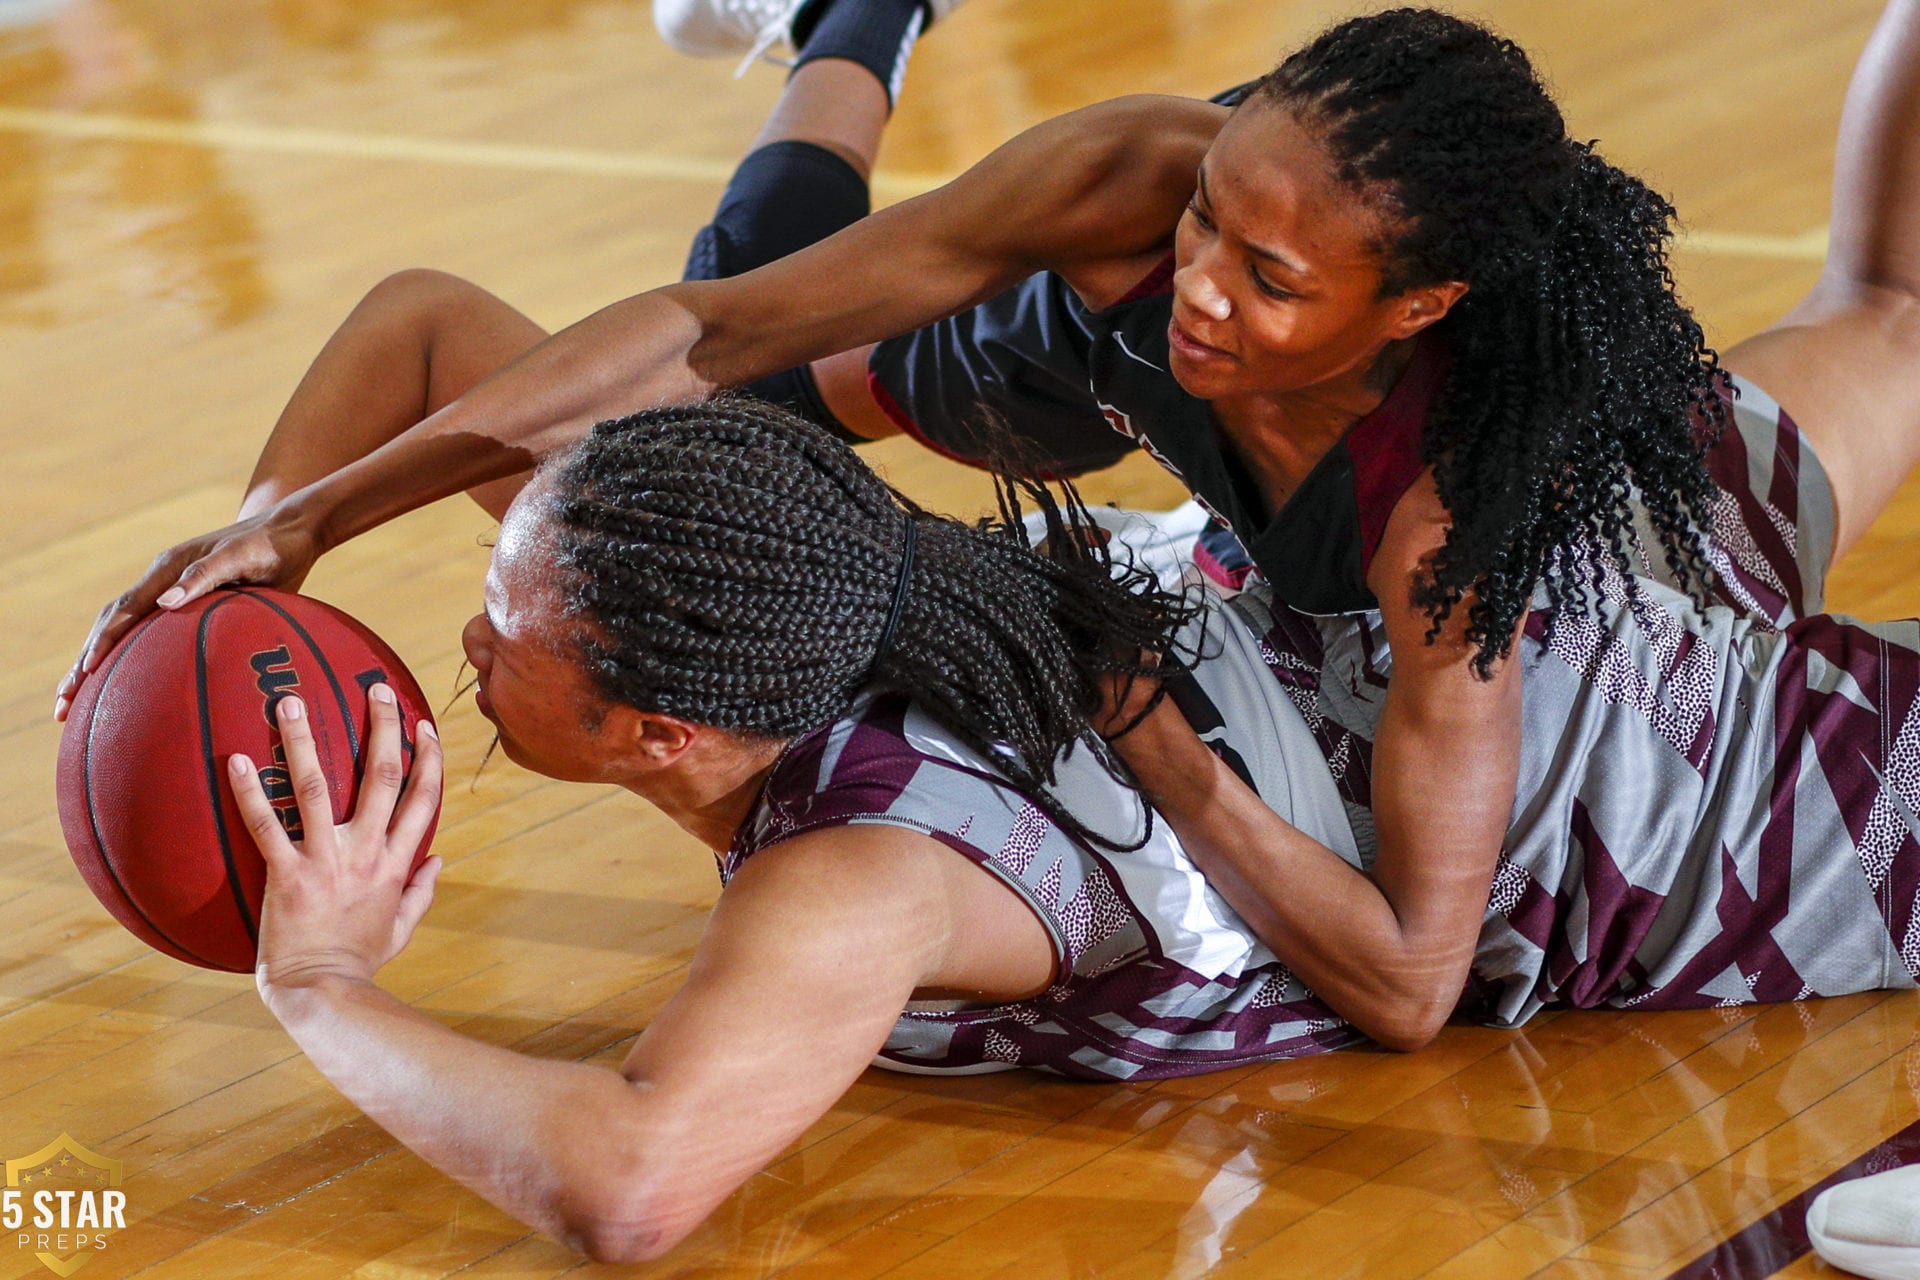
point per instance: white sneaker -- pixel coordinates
(725, 28)
(24, 13)
(1870, 1226)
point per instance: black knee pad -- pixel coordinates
(782, 198)
(706, 255)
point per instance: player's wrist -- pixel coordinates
(311, 515)
(296, 986)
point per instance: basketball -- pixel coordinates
(145, 803)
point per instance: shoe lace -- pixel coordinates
(771, 18)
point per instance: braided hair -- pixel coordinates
(737, 566)
(1577, 376)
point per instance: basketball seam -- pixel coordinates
(213, 771)
(93, 824)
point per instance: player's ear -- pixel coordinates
(658, 739)
(1425, 306)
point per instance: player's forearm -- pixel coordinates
(887, 274)
(1324, 919)
(555, 1144)
(628, 356)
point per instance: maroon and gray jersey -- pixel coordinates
(1716, 805)
(1084, 388)
(1156, 974)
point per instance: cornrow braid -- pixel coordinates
(737, 567)
(1579, 382)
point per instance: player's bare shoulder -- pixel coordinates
(1140, 157)
(1097, 192)
(1128, 165)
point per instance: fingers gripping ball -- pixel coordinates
(145, 802)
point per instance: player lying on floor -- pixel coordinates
(1447, 488)
(881, 721)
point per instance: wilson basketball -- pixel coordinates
(145, 802)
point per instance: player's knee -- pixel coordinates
(1895, 304)
(420, 293)
(1883, 325)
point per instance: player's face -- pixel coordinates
(530, 683)
(1277, 267)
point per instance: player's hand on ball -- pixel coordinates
(272, 549)
(345, 900)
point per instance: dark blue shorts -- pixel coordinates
(1020, 358)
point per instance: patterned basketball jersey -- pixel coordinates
(1157, 974)
(1716, 804)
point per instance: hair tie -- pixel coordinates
(899, 599)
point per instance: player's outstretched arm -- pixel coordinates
(809, 958)
(1097, 185)
(416, 342)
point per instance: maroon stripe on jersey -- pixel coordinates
(1159, 280)
(1858, 749)
(1386, 447)
(1727, 463)
(1619, 915)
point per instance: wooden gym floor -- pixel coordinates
(193, 194)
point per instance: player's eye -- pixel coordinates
(1268, 287)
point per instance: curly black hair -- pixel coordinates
(1578, 380)
(738, 566)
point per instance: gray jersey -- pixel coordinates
(1716, 805)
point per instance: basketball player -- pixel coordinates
(1302, 288)
(1444, 477)
(878, 719)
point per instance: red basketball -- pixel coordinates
(145, 802)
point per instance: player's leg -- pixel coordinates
(805, 176)
(878, 34)
(1843, 362)
(416, 342)
(421, 339)
(841, 383)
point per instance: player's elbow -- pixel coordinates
(623, 1218)
(1407, 1017)
(625, 1194)
(623, 1244)
(1407, 1030)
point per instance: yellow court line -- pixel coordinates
(1810, 246)
(364, 146)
